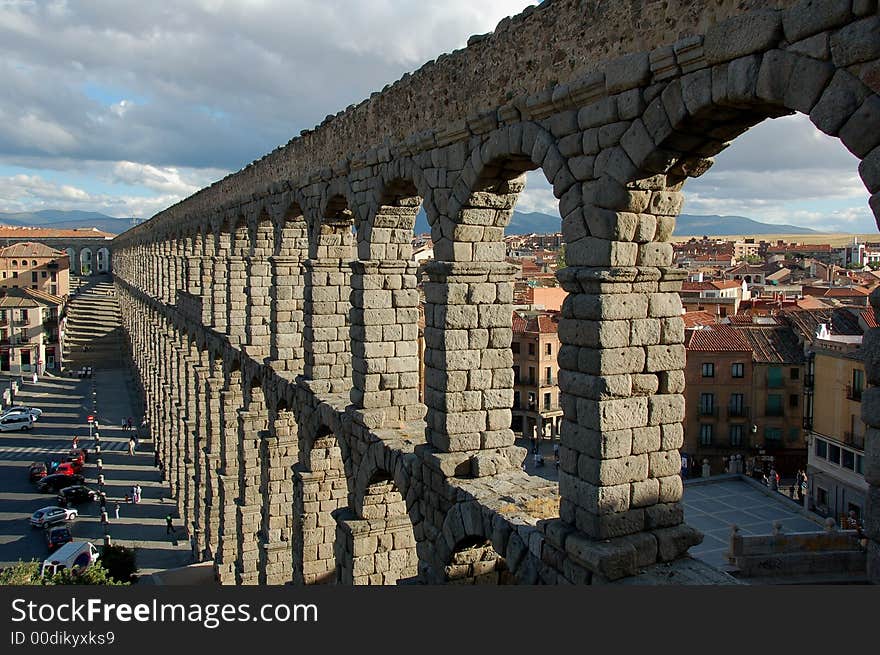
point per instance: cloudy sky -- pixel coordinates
(125, 106)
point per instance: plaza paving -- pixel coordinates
(713, 506)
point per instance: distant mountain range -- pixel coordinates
(520, 223)
(52, 218)
(685, 225)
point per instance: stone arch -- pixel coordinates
(103, 260)
(291, 231)
(387, 234)
(470, 552)
(85, 261)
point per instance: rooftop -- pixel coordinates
(20, 232)
(30, 249)
(774, 345)
(716, 338)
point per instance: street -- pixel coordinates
(66, 403)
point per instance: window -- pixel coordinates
(860, 465)
(34, 262)
(774, 404)
(736, 435)
(43, 275)
(821, 496)
(821, 449)
(549, 349)
(849, 460)
(708, 370)
(516, 399)
(858, 382)
(736, 370)
(14, 263)
(533, 400)
(531, 349)
(531, 375)
(794, 434)
(793, 399)
(705, 434)
(516, 378)
(15, 275)
(774, 377)
(548, 375)
(736, 404)
(547, 401)
(773, 434)
(834, 454)
(514, 346)
(34, 276)
(795, 374)
(54, 277)
(707, 403)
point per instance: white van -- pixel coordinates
(10, 422)
(73, 555)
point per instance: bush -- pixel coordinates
(28, 574)
(120, 562)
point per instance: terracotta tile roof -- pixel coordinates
(693, 319)
(805, 322)
(16, 232)
(800, 247)
(835, 292)
(519, 323)
(32, 297)
(30, 249)
(717, 338)
(869, 318)
(545, 323)
(712, 285)
(774, 345)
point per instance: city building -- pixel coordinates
(35, 266)
(89, 251)
(835, 463)
(721, 298)
(536, 408)
(31, 329)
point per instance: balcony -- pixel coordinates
(738, 412)
(854, 393)
(856, 440)
(708, 411)
(21, 322)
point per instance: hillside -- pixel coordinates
(52, 218)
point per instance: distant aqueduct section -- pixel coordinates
(273, 316)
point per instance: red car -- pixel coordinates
(37, 471)
(68, 468)
(76, 454)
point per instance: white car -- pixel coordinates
(20, 421)
(47, 516)
(22, 409)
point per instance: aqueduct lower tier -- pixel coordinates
(273, 316)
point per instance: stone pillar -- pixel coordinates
(317, 494)
(621, 377)
(236, 297)
(384, 341)
(468, 360)
(259, 281)
(278, 455)
(200, 440)
(871, 418)
(211, 463)
(228, 476)
(219, 283)
(287, 296)
(252, 430)
(326, 334)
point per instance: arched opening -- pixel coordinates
(85, 261)
(72, 262)
(287, 293)
(475, 561)
(376, 544)
(320, 490)
(327, 297)
(385, 311)
(103, 260)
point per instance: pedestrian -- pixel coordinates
(137, 493)
(104, 521)
(169, 525)
(131, 446)
(156, 458)
(103, 499)
(116, 510)
(75, 442)
(127, 499)
(124, 424)
(130, 422)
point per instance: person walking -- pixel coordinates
(137, 493)
(169, 525)
(116, 510)
(131, 446)
(124, 424)
(75, 442)
(130, 423)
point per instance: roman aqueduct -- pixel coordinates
(273, 316)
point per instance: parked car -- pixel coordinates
(57, 537)
(50, 515)
(79, 454)
(75, 494)
(11, 422)
(37, 471)
(56, 482)
(68, 468)
(22, 409)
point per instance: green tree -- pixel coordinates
(120, 562)
(560, 258)
(28, 574)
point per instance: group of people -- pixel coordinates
(128, 424)
(799, 487)
(135, 495)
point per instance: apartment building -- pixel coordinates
(36, 266)
(31, 326)
(536, 407)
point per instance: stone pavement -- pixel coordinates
(712, 506)
(66, 402)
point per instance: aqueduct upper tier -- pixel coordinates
(273, 317)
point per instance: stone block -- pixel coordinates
(754, 31)
(857, 42)
(838, 102)
(627, 72)
(674, 542)
(813, 16)
(645, 492)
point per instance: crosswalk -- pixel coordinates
(39, 453)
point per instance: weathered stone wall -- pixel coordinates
(617, 145)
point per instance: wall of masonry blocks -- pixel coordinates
(617, 143)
